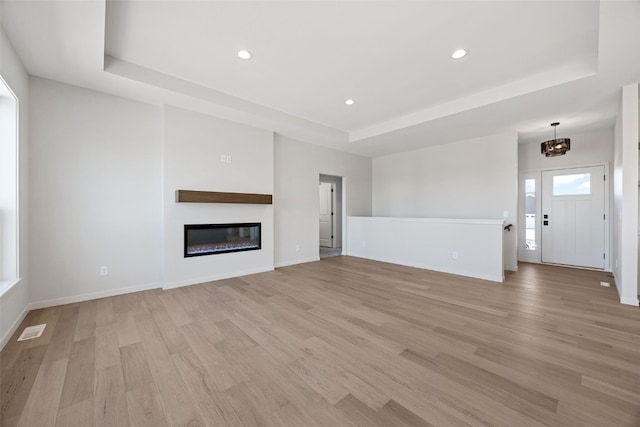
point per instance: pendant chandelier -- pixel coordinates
(556, 146)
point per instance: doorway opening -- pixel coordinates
(330, 215)
(566, 212)
(573, 217)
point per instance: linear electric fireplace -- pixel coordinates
(210, 239)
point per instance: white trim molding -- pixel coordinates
(14, 327)
(199, 280)
(299, 261)
(94, 295)
(630, 301)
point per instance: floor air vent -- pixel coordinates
(32, 332)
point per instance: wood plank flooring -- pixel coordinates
(339, 342)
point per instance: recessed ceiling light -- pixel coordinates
(349, 101)
(244, 54)
(460, 53)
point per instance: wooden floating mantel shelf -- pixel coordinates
(192, 196)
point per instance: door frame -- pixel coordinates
(343, 213)
(536, 256)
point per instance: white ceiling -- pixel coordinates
(529, 63)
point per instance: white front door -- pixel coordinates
(573, 221)
(326, 214)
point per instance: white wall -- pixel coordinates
(104, 171)
(475, 178)
(95, 173)
(297, 168)
(14, 302)
(467, 247)
(193, 145)
(625, 196)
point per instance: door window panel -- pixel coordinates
(572, 185)
(530, 214)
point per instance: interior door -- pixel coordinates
(326, 213)
(573, 217)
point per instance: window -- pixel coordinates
(530, 214)
(572, 185)
(8, 187)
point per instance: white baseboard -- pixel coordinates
(617, 283)
(297, 261)
(7, 336)
(94, 295)
(198, 280)
(624, 300)
(629, 301)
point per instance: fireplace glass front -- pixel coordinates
(211, 239)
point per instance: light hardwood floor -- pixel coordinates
(339, 342)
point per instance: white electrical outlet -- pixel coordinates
(297, 248)
(104, 270)
(454, 255)
(505, 214)
(223, 158)
(229, 158)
